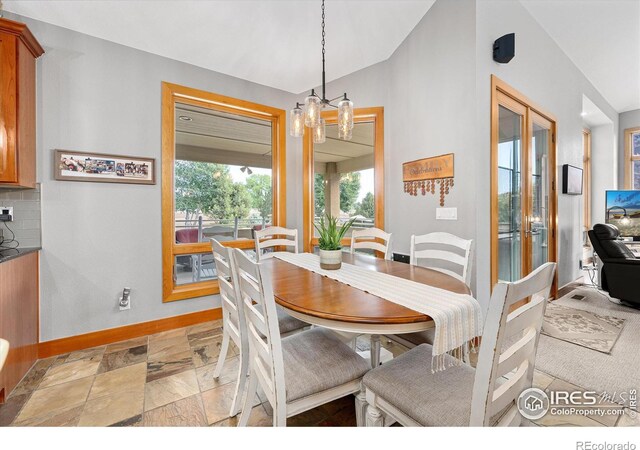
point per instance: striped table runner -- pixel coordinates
(458, 317)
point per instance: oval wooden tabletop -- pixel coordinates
(312, 294)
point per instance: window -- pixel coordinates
(632, 158)
(586, 182)
(222, 177)
(345, 178)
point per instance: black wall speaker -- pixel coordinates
(504, 48)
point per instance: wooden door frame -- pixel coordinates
(373, 114)
(499, 92)
(172, 94)
(586, 191)
(628, 157)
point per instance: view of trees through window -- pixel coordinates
(222, 181)
(222, 196)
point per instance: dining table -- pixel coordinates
(322, 301)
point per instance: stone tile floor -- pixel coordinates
(166, 379)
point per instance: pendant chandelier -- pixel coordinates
(309, 113)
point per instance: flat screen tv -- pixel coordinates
(571, 180)
(623, 211)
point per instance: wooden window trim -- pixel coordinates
(172, 94)
(629, 157)
(504, 94)
(373, 114)
(586, 182)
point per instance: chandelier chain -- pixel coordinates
(323, 72)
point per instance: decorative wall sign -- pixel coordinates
(423, 175)
(87, 166)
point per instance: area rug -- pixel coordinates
(616, 371)
(580, 327)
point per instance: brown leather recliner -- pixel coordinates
(621, 269)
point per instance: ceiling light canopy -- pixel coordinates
(311, 115)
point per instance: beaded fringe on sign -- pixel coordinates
(424, 186)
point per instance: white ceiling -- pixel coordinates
(274, 43)
(277, 43)
(602, 38)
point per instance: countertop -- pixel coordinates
(8, 254)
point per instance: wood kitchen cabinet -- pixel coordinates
(19, 317)
(18, 52)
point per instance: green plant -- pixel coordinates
(330, 233)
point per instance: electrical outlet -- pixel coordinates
(6, 213)
(446, 213)
(125, 300)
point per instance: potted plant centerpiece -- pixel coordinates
(330, 241)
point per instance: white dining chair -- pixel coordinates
(4, 352)
(234, 328)
(272, 237)
(452, 254)
(461, 259)
(300, 372)
(369, 239)
(405, 390)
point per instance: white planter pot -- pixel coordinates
(330, 259)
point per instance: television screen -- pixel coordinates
(571, 180)
(623, 211)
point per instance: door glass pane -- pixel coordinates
(222, 175)
(539, 219)
(509, 195)
(344, 176)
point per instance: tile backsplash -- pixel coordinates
(26, 223)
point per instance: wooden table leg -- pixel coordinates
(375, 350)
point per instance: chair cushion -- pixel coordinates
(421, 337)
(316, 360)
(608, 236)
(288, 323)
(441, 399)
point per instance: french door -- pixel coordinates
(523, 198)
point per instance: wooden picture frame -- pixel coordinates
(69, 165)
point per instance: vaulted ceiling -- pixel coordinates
(274, 43)
(277, 43)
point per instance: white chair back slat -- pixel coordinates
(520, 319)
(369, 239)
(462, 257)
(443, 255)
(516, 354)
(508, 392)
(232, 316)
(517, 361)
(275, 237)
(265, 345)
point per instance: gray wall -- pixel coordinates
(629, 119)
(99, 96)
(95, 95)
(543, 72)
(436, 92)
(26, 216)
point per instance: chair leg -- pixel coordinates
(248, 400)
(280, 416)
(374, 415)
(241, 383)
(361, 406)
(223, 355)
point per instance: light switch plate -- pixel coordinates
(446, 213)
